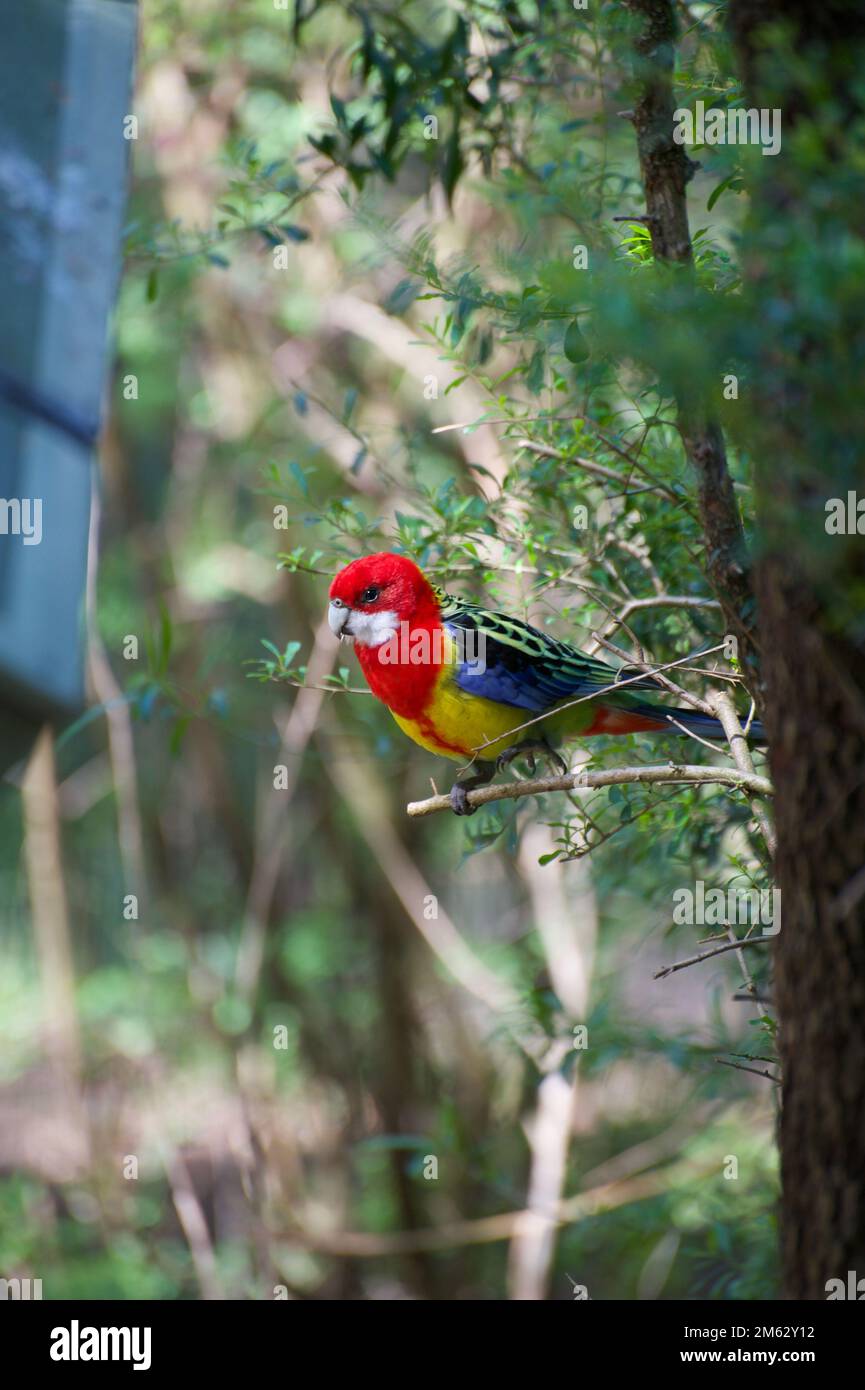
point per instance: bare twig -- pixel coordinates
(753, 1057)
(676, 498)
(648, 668)
(49, 910)
(659, 600)
(295, 734)
(534, 1235)
(194, 1226)
(707, 955)
(598, 470)
(737, 1066)
(588, 465)
(567, 922)
(121, 743)
(327, 689)
(606, 777)
(721, 705)
(372, 1245)
(747, 977)
(690, 733)
(642, 558)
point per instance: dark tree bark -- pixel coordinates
(665, 169)
(810, 601)
(803, 426)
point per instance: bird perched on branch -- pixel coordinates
(483, 687)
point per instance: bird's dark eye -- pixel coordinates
(370, 594)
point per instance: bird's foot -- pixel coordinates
(458, 792)
(458, 798)
(528, 749)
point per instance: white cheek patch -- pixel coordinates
(371, 629)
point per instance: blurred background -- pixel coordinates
(262, 1034)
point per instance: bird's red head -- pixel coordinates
(373, 595)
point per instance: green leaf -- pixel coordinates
(575, 347)
(349, 404)
(299, 476)
(453, 164)
(166, 634)
(177, 734)
(733, 182)
(535, 373)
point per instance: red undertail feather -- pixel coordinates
(621, 721)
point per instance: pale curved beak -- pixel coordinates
(337, 617)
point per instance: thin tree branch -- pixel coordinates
(599, 470)
(121, 742)
(534, 1235)
(747, 977)
(372, 1245)
(607, 777)
(707, 955)
(564, 910)
(273, 826)
(636, 605)
(737, 1066)
(690, 734)
(721, 705)
(194, 1226)
(646, 668)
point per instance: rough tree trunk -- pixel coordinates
(665, 169)
(800, 424)
(810, 599)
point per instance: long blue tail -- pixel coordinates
(701, 724)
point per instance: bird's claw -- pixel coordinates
(528, 749)
(458, 795)
(459, 801)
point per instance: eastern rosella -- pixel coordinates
(464, 682)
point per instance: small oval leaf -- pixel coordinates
(575, 347)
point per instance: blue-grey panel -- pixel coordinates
(65, 87)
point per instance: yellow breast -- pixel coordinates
(461, 726)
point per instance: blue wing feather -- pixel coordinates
(513, 663)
